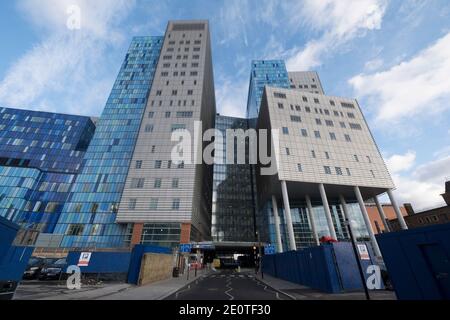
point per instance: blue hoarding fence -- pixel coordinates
(418, 262)
(330, 268)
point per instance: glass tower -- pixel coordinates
(89, 217)
(233, 204)
(265, 73)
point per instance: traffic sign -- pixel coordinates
(269, 249)
(185, 248)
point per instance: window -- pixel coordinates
(304, 133)
(327, 155)
(299, 168)
(308, 109)
(355, 126)
(167, 115)
(138, 164)
(332, 103)
(343, 126)
(174, 92)
(313, 154)
(176, 204)
(288, 152)
(317, 134)
(373, 173)
(348, 138)
(154, 204)
(132, 204)
(158, 164)
(185, 114)
(351, 115)
(149, 128)
(151, 115)
(296, 119)
(348, 172)
(280, 106)
(318, 122)
(369, 159)
(316, 100)
(329, 123)
(137, 183)
(159, 92)
(181, 165)
(190, 92)
(327, 170)
(177, 127)
(153, 149)
(356, 158)
(305, 99)
(285, 131)
(157, 184)
(347, 105)
(339, 171)
(75, 230)
(279, 95)
(175, 183)
(332, 136)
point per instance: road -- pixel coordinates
(228, 285)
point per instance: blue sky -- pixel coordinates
(393, 56)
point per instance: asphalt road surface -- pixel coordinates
(228, 285)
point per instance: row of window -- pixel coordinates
(328, 156)
(187, 42)
(338, 170)
(153, 204)
(180, 103)
(317, 134)
(326, 112)
(149, 128)
(139, 183)
(347, 105)
(181, 73)
(179, 57)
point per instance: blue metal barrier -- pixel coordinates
(418, 262)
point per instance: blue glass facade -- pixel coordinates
(51, 144)
(16, 186)
(88, 218)
(265, 73)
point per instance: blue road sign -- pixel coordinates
(269, 249)
(185, 248)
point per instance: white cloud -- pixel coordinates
(419, 85)
(401, 162)
(61, 72)
(339, 21)
(420, 185)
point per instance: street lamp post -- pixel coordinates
(358, 261)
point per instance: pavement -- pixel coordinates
(299, 292)
(228, 285)
(35, 290)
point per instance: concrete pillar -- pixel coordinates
(326, 206)
(362, 206)
(400, 218)
(288, 216)
(382, 215)
(344, 207)
(312, 220)
(277, 224)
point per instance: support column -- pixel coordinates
(382, 215)
(277, 224)
(288, 216)
(362, 206)
(312, 220)
(400, 218)
(136, 237)
(326, 206)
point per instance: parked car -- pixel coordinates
(35, 266)
(54, 271)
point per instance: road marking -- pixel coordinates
(228, 291)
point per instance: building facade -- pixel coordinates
(233, 213)
(327, 160)
(40, 157)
